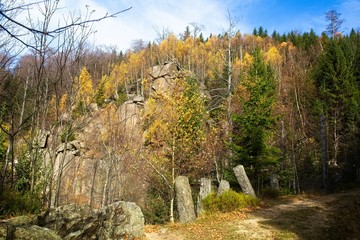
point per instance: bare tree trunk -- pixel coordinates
(24, 100)
(324, 151)
(105, 196)
(336, 137)
(172, 220)
(296, 174)
(4, 170)
(93, 184)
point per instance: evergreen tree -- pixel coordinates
(254, 124)
(338, 100)
(255, 32)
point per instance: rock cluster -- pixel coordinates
(120, 220)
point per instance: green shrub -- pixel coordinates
(228, 201)
(155, 210)
(67, 135)
(13, 203)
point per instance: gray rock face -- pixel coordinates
(123, 219)
(120, 220)
(223, 187)
(184, 199)
(244, 180)
(205, 190)
(274, 181)
(22, 228)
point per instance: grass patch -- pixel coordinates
(13, 203)
(228, 201)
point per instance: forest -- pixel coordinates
(276, 103)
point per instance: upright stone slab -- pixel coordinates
(223, 187)
(205, 190)
(185, 204)
(274, 181)
(244, 180)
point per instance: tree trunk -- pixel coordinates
(93, 185)
(336, 137)
(324, 151)
(4, 170)
(172, 181)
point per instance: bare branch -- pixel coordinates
(18, 39)
(22, 7)
(61, 29)
(21, 25)
(51, 32)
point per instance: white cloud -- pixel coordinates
(140, 21)
(145, 16)
(350, 10)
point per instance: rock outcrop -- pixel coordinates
(205, 190)
(223, 187)
(243, 180)
(23, 228)
(120, 220)
(185, 203)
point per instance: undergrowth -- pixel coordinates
(15, 203)
(228, 201)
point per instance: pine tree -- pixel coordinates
(338, 99)
(254, 124)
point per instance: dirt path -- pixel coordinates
(335, 216)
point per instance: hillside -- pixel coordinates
(90, 125)
(333, 216)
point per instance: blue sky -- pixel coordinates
(147, 15)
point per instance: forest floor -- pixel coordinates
(331, 216)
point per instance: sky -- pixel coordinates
(147, 17)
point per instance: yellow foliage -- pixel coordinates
(63, 102)
(108, 85)
(180, 50)
(283, 44)
(247, 60)
(119, 74)
(292, 48)
(86, 86)
(273, 56)
(168, 46)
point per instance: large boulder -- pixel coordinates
(185, 203)
(120, 220)
(22, 228)
(274, 181)
(205, 190)
(223, 187)
(243, 180)
(71, 221)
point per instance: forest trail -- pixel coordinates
(332, 216)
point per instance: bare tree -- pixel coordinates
(335, 22)
(162, 34)
(7, 14)
(56, 56)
